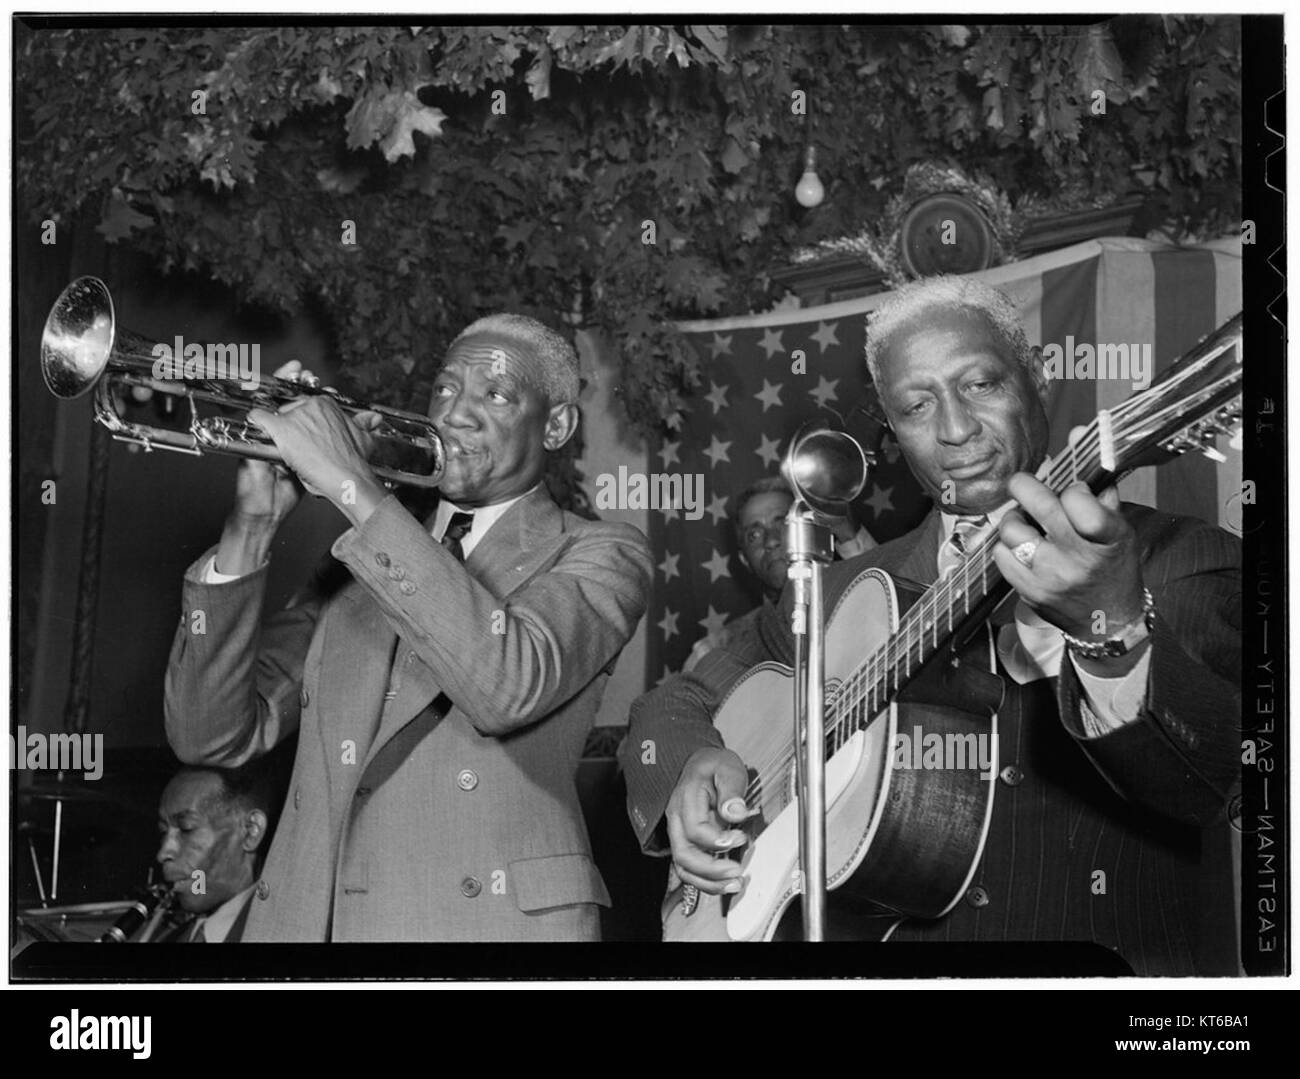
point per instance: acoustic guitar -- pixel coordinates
(904, 841)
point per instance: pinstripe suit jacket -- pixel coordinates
(441, 710)
(1117, 840)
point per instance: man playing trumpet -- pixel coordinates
(442, 695)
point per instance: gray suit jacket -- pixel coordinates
(441, 714)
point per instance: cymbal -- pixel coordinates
(63, 792)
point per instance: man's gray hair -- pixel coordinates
(555, 360)
(944, 293)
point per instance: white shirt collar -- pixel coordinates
(484, 518)
(218, 924)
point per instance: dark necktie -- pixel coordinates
(199, 936)
(457, 529)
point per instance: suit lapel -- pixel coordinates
(915, 557)
(514, 550)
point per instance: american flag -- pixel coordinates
(768, 374)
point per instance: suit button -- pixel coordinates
(470, 887)
(977, 897)
(263, 889)
(304, 697)
(407, 588)
(466, 780)
(1011, 776)
(396, 573)
(382, 559)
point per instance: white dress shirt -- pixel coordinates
(1031, 648)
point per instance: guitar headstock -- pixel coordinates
(1188, 407)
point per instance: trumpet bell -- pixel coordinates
(78, 338)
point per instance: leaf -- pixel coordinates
(340, 181)
(539, 76)
(121, 219)
(733, 157)
(391, 119)
(713, 38)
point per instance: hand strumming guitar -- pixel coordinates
(708, 798)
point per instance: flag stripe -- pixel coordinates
(1125, 289)
(1070, 311)
(1185, 311)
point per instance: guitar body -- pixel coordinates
(901, 841)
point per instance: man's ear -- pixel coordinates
(561, 424)
(254, 830)
(1038, 373)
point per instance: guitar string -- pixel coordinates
(860, 688)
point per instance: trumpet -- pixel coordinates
(83, 347)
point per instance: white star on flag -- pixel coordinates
(668, 567)
(769, 450)
(669, 452)
(881, 500)
(668, 623)
(825, 390)
(825, 335)
(717, 508)
(713, 621)
(717, 451)
(771, 343)
(770, 395)
(718, 566)
(721, 346)
(717, 397)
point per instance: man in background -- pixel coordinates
(216, 825)
(759, 525)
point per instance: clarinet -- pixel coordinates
(139, 912)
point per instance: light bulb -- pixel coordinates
(809, 191)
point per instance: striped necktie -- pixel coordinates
(953, 550)
(457, 529)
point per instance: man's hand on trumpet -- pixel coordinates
(322, 451)
(327, 449)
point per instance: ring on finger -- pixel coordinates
(1024, 553)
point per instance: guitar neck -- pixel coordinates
(1191, 403)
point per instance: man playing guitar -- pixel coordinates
(1118, 651)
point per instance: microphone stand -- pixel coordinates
(809, 546)
(826, 470)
